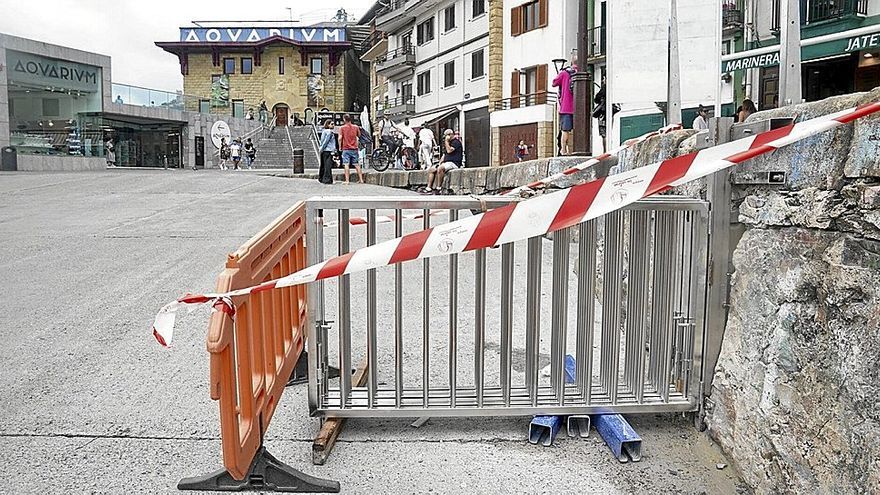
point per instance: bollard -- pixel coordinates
(298, 161)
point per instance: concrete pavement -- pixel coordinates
(91, 404)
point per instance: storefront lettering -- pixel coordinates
(861, 42)
(54, 71)
(764, 60)
(238, 35)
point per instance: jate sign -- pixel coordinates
(34, 70)
(314, 34)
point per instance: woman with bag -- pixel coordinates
(327, 148)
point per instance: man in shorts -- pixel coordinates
(426, 147)
(348, 135)
(451, 160)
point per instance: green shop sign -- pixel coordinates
(810, 52)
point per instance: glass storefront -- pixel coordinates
(46, 99)
(141, 143)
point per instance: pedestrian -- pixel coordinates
(224, 154)
(408, 137)
(111, 153)
(249, 115)
(748, 108)
(327, 149)
(701, 122)
(250, 153)
(599, 112)
(451, 160)
(264, 112)
(348, 134)
(235, 152)
(566, 105)
(426, 147)
(386, 136)
(522, 151)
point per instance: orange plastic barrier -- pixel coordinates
(252, 357)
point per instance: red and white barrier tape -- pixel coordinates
(592, 161)
(383, 218)
(534, 185)
(532, 217)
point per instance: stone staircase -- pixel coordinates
(274, 151)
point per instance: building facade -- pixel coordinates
(297, 70)
(59, 108)
(840, 51)
(534, 33)
(431, 59)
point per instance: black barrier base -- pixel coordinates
(300, 373)
(266, 474)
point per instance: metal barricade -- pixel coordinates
(471, 334)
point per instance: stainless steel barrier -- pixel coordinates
(472, 334)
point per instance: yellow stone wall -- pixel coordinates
(265, 82)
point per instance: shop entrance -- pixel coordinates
(830, 77)
(142, 142)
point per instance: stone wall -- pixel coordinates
(291, 88)
(796, 389)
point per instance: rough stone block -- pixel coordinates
(394, 178)
(418, 178)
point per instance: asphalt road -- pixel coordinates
(91, 404)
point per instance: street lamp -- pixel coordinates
(559, 64)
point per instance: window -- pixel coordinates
(229, 66)
(281, 66)
(449, 74)
(425, 31)
(478, 63)
(405, 40)
(247, 65)
(238, 108)
(478, 9)
(423, 83)
(406, 91)
(204, 106)
(528, 17)
(317, 65)
(449, 18)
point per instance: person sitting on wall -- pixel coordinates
(249, 115)
(451, 160)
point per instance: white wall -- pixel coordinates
(466, 30)
(541, 46)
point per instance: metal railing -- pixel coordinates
(526, 100)
(397, 52)
(822, 10)
(372, 40)
(596, 42)
(146, 97)
(449, 343)
(731, 17)
(390, 7)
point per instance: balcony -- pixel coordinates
(731, 18)
(397, 107)
(522, 101)
(144, 97)
(393, 16)
(813, 11)
(373, 46)
(396, 62)
(596, 43)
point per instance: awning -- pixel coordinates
(430, 119)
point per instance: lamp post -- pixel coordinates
(583, 91)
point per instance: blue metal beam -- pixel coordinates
(623, 441)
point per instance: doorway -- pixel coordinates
(281, 111)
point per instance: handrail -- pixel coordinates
(528, 100)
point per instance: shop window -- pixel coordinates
(247, 65)
(425, 32)
(449, 18)
(478, 63)
(51, 107)
(423, 83)
(449, 74)
(229, 66)
(478, 8)
(281, 66)
(317, 65)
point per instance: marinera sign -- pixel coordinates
(810, 50)
(37, 71)
(314, 34)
